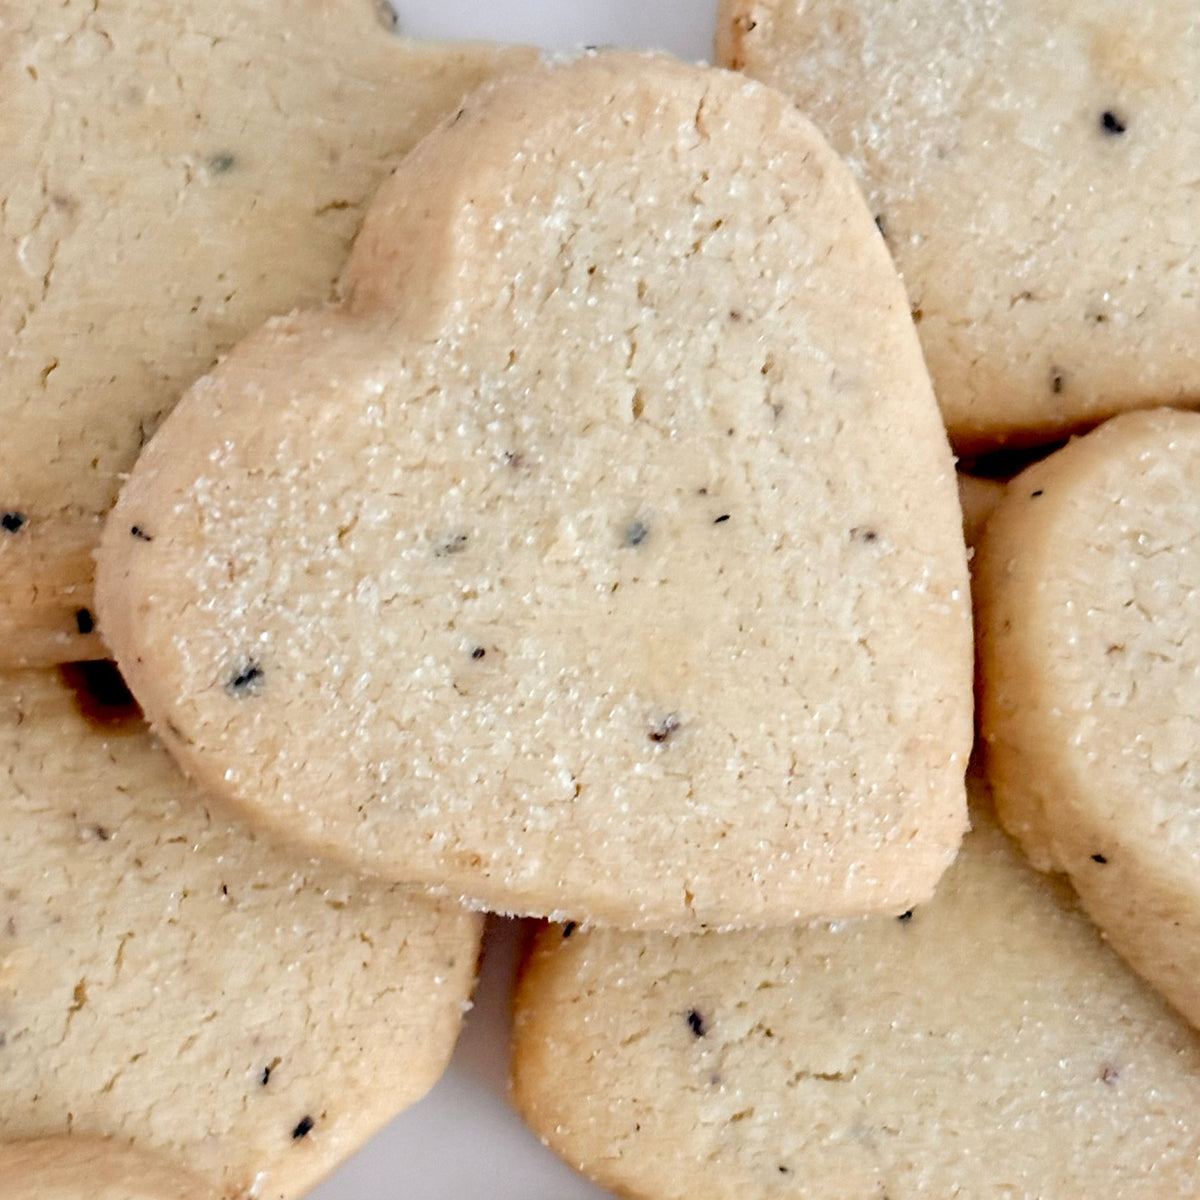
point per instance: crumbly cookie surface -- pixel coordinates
(562, 569)
(1089, 631)
(988, 1044)
(171, 174)
(175, 981)
(1032, 166)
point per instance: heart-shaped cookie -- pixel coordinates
(171, 175)
(602, 556)
(1087, 581)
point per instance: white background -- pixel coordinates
(464, 1141)
(684, 27)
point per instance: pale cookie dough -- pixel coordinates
(172, 173)
(603, 597)
(1088, 587)
(988, 1045)
(1033, 168)
(83, 1168)
(180, 983)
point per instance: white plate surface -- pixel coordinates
(464, 1141)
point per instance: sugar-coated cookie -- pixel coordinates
(177, 982)
(1032, 167)
(567, 568)
(172, 173)
(84, 1168)
(988, 1044)
(1088, 588)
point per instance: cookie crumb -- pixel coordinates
(84, 621)
(12, 521)
(696, 1023)
(1111, 123)
(905, 917)
(136, 531)
(303, 1128)
(569, 928)
(220, 164)
(1099, 858)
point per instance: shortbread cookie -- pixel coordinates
(565, 570)
(179, 983)
(987, 1044)
(1088, 585)
(83, 1168)
(1033, 169)
(171, 174)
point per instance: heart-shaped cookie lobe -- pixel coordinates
(1088, 581)
(602, 555)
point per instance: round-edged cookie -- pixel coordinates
(84, 1168)
(1088, 592)
(1032, 167)
(987, 1044)
(562, 569)
(175, 981)
(171, 175)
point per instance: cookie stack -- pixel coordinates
(595, 555)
